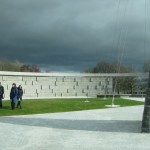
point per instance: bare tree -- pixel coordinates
(146, 66)
(6, 65)
(29, 68)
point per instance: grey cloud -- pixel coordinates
(71, 35)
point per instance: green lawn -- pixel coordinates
(61, 105)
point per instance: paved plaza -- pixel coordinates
(103, 129)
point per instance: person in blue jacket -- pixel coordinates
(13, 95)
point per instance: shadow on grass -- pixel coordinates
(6, 107)
(124, 126)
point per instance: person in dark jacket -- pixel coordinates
(20, 94)
(13, 95)
(1, 95)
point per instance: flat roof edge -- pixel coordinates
(9, 73)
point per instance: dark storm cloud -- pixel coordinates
(70, 35)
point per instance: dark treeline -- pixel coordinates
(106, 67)
(16, 66)
(114, 67)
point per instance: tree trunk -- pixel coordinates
(146, 113)
(131, 89)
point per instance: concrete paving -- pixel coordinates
(104, 129)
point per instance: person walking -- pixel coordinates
(13, 95)
(1, 95)
(20, 94)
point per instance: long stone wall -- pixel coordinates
(60, 85)
(57, 85)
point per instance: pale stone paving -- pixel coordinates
(104, 129)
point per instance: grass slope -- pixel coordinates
(61, 105)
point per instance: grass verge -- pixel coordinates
(61, 105)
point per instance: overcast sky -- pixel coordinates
(71, 35)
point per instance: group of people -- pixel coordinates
(16, 94)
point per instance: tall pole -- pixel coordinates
(146, 113)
